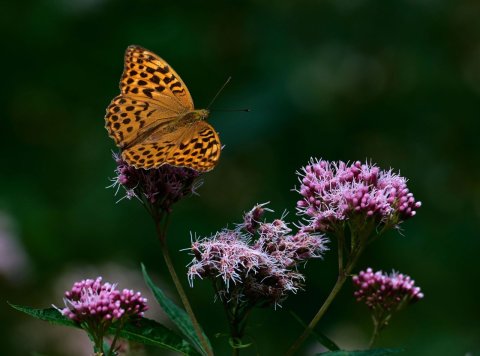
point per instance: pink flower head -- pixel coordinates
(96, 303)
(262, 270)
(333, 192)
(161, 187)
(292, 249)
(385, 293)
(243, 269)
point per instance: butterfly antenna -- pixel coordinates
(231, 110)
(218, 92)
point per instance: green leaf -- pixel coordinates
(51, 315)
(176, 314)
(150, 332)
(321, 338)
(372, 352)
(144, 331)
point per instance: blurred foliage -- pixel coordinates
(395, 82)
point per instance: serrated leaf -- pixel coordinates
(143, 330)
(372, 352)
(176, 314)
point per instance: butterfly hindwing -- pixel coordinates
(196, 146)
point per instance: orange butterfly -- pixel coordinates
(154, 121)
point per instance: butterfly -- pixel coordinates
(154, 121)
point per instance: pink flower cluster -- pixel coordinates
(261, 269)
(333, 192)
(161, 186)
(96, 302)
(275, 240)
(385, 292)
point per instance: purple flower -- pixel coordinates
(251, 219)
(259, 270)
(385, 293)
(291, 250)
(244, 270)
(96, 303)
(161, 187)
(334, 192)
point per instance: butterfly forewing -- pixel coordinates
(128, 118)
(149, 76)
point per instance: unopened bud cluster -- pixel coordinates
(386, 292)
(96, 302)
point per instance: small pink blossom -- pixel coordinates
(385, 292)
(96, 302)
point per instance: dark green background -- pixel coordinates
(395, 82)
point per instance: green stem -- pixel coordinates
(99, 345)
(342, 277)
(380, 321)
(115, 339)
(237, 316)
(161, 232)
(341, 248)
(376, 331)
(237, 326)
(95, 334)
(336, 288)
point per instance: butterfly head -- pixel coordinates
(202, 113)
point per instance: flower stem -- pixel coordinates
(376, 331)
(161, 232)
(341, 248)
(342, 277)
(236, 330)
(237, 327)
(336, 288)
(380, 321)
(237, 316)
(115, 339)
